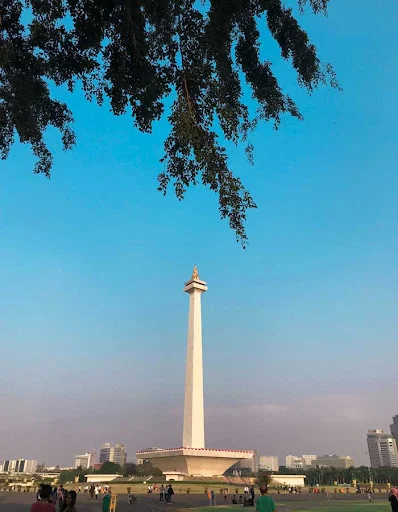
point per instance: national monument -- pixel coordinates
(192, 458)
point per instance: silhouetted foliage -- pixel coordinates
(129, 469)
(139, 52)
(109, 468)
(328, 476)
(67, 476)
(263, 478)
(147, 469)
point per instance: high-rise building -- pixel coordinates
(333, 461)
(268, 463)
(394, 428)
(382, 449)
(119, 454)
(86, 460)
(116, 454)
(105, 453)
(26, 466)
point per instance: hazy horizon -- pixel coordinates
(299, 330)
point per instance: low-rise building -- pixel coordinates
(333, 461)
(307, 460)
(299, 461)
(289, 480)
(294, 462)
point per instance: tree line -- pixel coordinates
(338, 476)
(314, 476)
(110, 468)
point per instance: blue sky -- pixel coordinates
(300, 329)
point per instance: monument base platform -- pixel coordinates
(181, 463)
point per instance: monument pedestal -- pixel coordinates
(181, 463)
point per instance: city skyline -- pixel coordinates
(291, 461)
(292, 326)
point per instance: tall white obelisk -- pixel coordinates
(194, 428)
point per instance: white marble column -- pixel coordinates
(194, 430)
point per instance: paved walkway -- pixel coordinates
(21, 502)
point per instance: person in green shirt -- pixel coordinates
(265, 503)
(106, 501)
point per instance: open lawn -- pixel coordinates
(351, 507)
(182, 502)
(337, 506)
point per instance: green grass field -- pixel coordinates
(344, 506)
(350, 507)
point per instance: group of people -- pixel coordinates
(49, 500)
(291, 489)
(95, 490)
(166, 493)
(263, 504)
(251, 492)
(235, 501)
(61, 500)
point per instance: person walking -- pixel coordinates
(170, 493)
(96, 492)
(264, 502)
(393, 499)
(161, 494)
